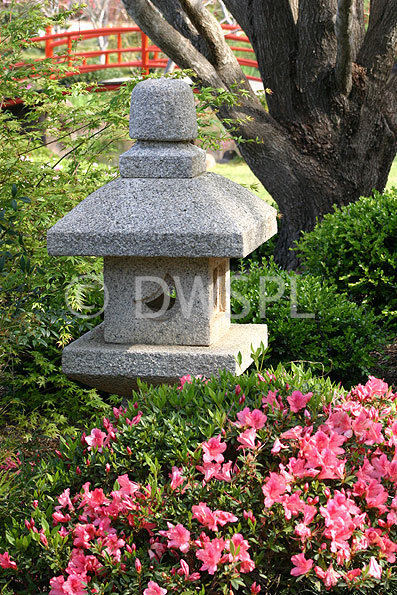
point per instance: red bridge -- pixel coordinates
(66, 47)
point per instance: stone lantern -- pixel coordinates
(166, 230)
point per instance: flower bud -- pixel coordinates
(138, 565)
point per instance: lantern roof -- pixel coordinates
(164, 203)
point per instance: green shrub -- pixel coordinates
(339, 336)
(294, 494)
(355, 248)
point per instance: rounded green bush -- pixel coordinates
(355, 248)
(308, 321)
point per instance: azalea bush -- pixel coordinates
(270, 489)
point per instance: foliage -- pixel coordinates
(354, 247)
(280, 484)
(307, 320)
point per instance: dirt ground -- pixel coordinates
(386, 364)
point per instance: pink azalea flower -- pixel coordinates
(127, 487)
(187, 379)
(210, 555)
(184, 569)
(64, 500)
(247, 439)
(294, 433)
(375, 386)
(340, 422)
(95, 439)
(176, 478)
(376, 496)
(203, 514)
(241, 554)
(329, 576)
(113, 545)
(309, 512)
(220, 472)
(6, 562)
(277, 446)
(213, 449)
(302, 566)
(178, 537)
(56, 585)
(273, 488)
(352, 574)
(292, 504)
(302, 531)
(255, 419)
(209, 519)
(298, 401)
(223, 517)
(154, 589)
(209, 470)
(270, 399)
(83, 534)
(59, 517)
(374, 569)
(74, 585)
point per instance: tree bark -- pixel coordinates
(330, 135)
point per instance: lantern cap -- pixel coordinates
(163, 110)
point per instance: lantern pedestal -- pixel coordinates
(115, 368)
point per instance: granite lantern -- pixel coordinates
(167, 230)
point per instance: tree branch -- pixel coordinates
(176, 17)
(177, 47)
(344, 40)
(272, 32)
(316, 49)
(222, 57)
(378, 50)
(358, 26)
(208, 27)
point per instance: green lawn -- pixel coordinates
(239, 172)
(392, 181)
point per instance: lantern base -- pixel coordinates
(115, 368)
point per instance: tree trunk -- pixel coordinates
(330, 135)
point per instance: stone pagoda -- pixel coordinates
(166, 230)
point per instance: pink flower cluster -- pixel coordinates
(327, 479)
(356, 445)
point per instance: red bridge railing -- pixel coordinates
(145, 56)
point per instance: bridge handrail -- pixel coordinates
(54, 40)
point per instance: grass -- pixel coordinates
(238, 171)
(392, 181)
